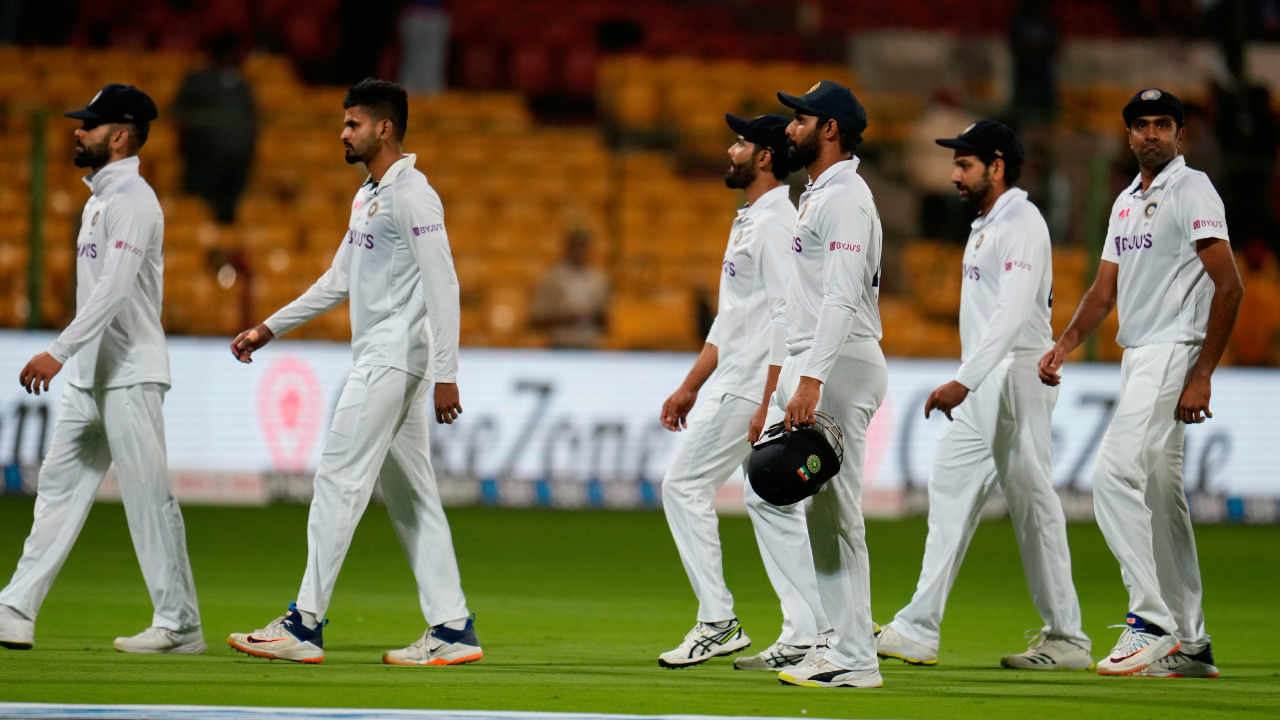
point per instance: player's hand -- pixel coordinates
(1193, 406)
(447, 404)
(675, 411)
(249, 340)
(1050, 364)
(39, 372)
(804, 402)
(945, 398)
(757, 422)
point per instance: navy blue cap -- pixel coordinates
(830, 100)
(118, 103)
(1152, 101)
(991, 139)
(766, 131)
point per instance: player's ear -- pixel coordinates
(997, 169)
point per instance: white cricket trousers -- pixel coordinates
(93, 429)
(381, 429)
(837, 533)
(1001, 434)
(1138, 497)
(713, 447)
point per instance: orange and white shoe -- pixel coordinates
(1141, 644)
(286, 638)
(440, 645)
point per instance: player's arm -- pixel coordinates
(775, 246)
(844, 277)
(1024, 254)
(1228, 290)
(1093, 309)
(324, 295)
(675, 411)
(128, 226)
(420, 221)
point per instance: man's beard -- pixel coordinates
(978, 191)
(92, 156)
(738, 177)
(353, 155)
(801, 156)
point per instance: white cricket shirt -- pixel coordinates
(834, 279)
(1163, 290)
(116, 338)
(1007, 294)
(396, 267)
(750, 329)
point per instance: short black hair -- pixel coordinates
(138, 132)
(849, 141)
(1011, 172)
(777, 160)
(381, 99)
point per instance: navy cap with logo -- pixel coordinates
(767, 131)
(117, 103)
(830, 100)
(1152, 101)
(989, 139)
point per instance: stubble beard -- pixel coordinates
(977, 193)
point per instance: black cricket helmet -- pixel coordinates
(789, 466)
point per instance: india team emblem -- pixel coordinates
(815, 87)
(94, 221)
(803, 210)
(814, 464)
(1149, 210)
(737, 238)
(373, 208)
(978, 243)
(1151, 94)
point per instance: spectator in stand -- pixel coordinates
(942, 215)
(424, 46)
(217, 127)
(570, 303)
(1034, 40)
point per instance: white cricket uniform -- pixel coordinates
(1163, 297)
(833, 322)
(396, 268)
(746, 333)
(117, 370)
(1002, 431)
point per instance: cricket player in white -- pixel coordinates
(1167, 267)
(1000, 413)
(117, 373)
(396, 268)
(834, 365)
(748, 330)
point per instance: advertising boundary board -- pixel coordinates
(574, 429)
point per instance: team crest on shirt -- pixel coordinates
(94, 221)
(373, 208)
(978, 243)
(803, 210)
(1149, 210)
(737, 238)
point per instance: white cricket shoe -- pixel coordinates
(1140, 645)
(286, 638)
(776, 657)
(1182, 665)
(439, 645)
(704, 642)
(892, 644)
(16, 631)
(163, 640)
(821, 672)
(1049, 652)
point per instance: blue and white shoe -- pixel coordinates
(1182, 665)
(1140, 645)
(286, 638)
(777, 656)
(705, 641)
(440, 645)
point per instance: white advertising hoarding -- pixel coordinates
(580, 428)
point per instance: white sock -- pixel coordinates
(309, 619)
(457, 624)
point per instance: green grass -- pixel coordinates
(574, 607)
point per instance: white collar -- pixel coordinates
(764, 200)
(1008, 196)
(1175, 166)
(107, 175)
(834, 170)
(394, 171)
